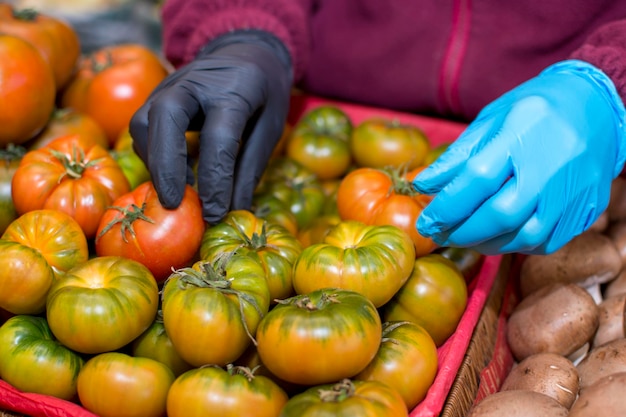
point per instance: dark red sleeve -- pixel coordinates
(188, 25)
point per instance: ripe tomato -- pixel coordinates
(69, 176)
(376, 196)
(55, 40)
(320, 142)
(32, 360)
(347, 398)
(9, 161)
(64, 122)
(133, 166)
(112, 83)
(54, 234)
(434, 296)
(272, 245)
(275, 211)
(25, 278)
(296, 186)
(28, 90)
(372, 260)
(114, 384)
(154, 343)
(406, 361)
(320, 337)
(212, 391)
(138, 227)
(211, 311)
(381, 143)
(102, 304)
(318, 229)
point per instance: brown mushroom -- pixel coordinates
(588, 260)
(547, 373)
(616, 231)
(604, 398)
(559, 318)
(616, 286)
(611, 324)
(617, 200)
(518, 403)
(601, 224)
(602, 361)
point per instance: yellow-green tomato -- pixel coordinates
(434, 296)
(213, 391)
(102, 304)
(114, 384)
(32, 360)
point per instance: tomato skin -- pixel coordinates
(372, 260)
(154, 343)
(25, 278)
(28, 91)
(55, 40)
(133, 166)
(274, 247)
(406, 361)
(434, 297)
(9, 161)
(69, 176)
(337, 331)
(347, 398)
(112, 83)
(210, 311)
(138, 227)
(273, 210)
(102, 304)
(114, 384)
(64, 122)
(54, 234)
(32, 360)
(318, 229)
(213, 391)
(296, 186)
(376, 196)
(381, 143)
(320, 142)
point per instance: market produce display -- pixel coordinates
(317, 298)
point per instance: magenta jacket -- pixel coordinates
(444, 57)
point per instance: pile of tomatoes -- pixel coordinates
(322, 298)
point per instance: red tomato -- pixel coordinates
(69, 176)
(406, 361)
(54, 234)
(138, 227)
(32, 360)
(347, 398)
(434, 296)
(55, 40)
(112, 83)
(102, 304)
(64, 122)
(380, 143)
(376, 196)
(114, 384)
(28, 90)
(320, 142)
(320, 337)
(211, 311)
(212, 391)
(372, 260)
(272, 245)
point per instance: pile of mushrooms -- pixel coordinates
(568, 332)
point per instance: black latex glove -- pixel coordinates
(236, 93)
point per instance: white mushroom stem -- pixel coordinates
(595, 291)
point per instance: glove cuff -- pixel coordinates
(607, 88)
(251, 37)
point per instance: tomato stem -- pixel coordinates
(28, 14)
(75, 163)
(12, 152)
(129, 214)
(338, 392)
(399, 184)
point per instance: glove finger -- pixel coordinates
(168, 119)
(220, 142)
(441, 172)
(482, 176)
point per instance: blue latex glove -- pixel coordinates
(533, 170)
(236, 92)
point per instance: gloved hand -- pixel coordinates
(236, 93)
(533, 170)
